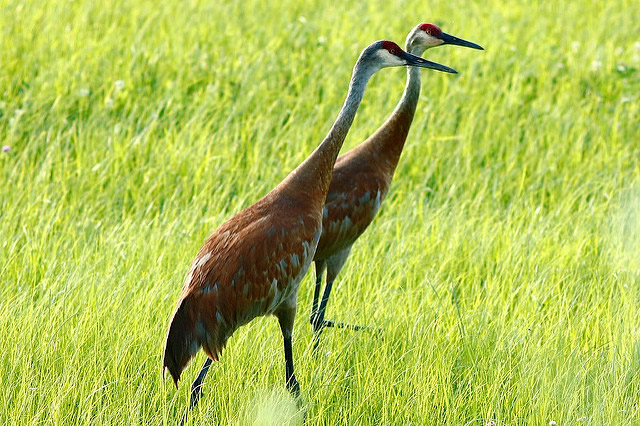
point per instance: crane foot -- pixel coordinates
(320, 324)
(329, 323)
(293, 386)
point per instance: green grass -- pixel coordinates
(504, 266)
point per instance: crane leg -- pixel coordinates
(196, 386)
(334, 264)
(285, 317)
(196, 389)
(317, 321)
(321, 265)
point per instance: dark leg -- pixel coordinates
(285, 317)
(334, 265)
(318, 320)
(320, 267)
(290, 379)
(196, 389)
(196, 386)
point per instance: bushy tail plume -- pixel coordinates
(182, 343)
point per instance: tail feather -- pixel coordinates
(182, 343)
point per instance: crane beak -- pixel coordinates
(417, 61)
(449, 39)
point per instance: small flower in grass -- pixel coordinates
(83, 93)
(6, 148)
(119, 84)
(16, 117)
(575, 46)
(491, 423)
(552, 423)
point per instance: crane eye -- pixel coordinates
(430, 29)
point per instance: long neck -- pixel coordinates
(388, 141)
(313, 176)
(407, 105)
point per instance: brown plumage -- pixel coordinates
(252, 264)
(245, 269)
(362, 177)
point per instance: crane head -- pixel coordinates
(426, 36)
(385, 53)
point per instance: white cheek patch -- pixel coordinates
(436, 41)
(388, 59)
(427, 41)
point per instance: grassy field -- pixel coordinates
(504, 266)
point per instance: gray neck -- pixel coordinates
(313, 176)
(411, 94)
(389, 139)
(338, 132)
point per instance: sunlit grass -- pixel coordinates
(503, 267)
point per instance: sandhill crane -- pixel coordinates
(362, 176)
(253, 263)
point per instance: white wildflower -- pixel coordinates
(575, 46)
